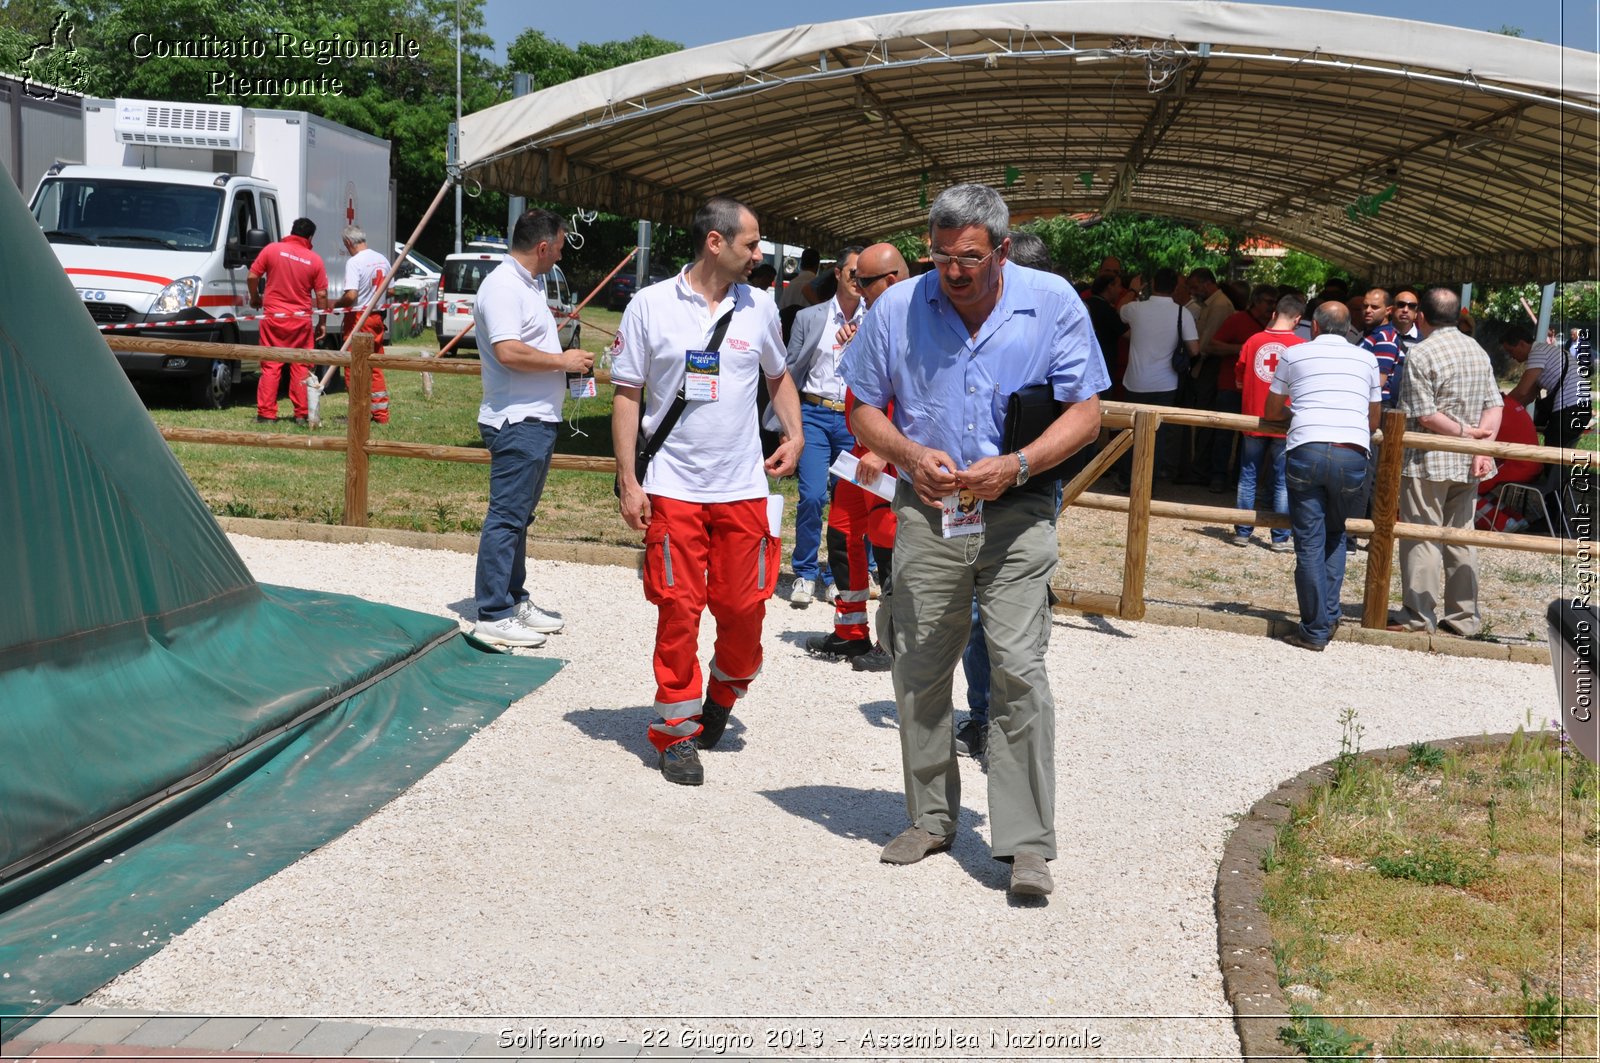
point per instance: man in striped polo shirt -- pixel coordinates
(1329, 389)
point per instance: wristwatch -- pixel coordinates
(1022, 468)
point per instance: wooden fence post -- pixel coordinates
(1385, 509)
(358, 385)
(1145, 423)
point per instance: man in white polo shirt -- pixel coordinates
(702, 501)
(1331, 392)
(524, 384)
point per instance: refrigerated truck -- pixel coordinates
(173, 201)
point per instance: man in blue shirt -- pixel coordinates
(948, 350)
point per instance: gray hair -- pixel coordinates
(1028, 249)
(962, 205)
(1441, 307)
(1332, 316)
(354, 234)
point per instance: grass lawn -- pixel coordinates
(406, 493)
(1443, 906)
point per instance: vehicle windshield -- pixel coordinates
(112, 213)
(425, 262)
(463, 275)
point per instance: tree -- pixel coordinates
(1143, 243)
(410, 102)
(550, 62)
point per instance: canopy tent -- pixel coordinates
(144, 673)
(1397, 149)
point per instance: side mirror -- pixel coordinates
(237, 256)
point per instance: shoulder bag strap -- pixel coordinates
(649, 447)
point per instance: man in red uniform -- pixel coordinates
(296, 280)
(877, 268)
(1261, 454)
(702, 501)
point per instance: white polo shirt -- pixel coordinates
(1152, 334)
(714, 452)
(1330, 384)
(511, 306)
(363, 273)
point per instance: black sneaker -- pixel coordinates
(831, 645)
(971, 738)
(879, 660)
(302, 422)
(713, 721)
(265, 420)
(680, 763)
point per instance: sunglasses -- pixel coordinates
(867, 282)
(1405, 305)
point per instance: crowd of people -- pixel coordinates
(954, 403)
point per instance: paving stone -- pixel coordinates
(164, 1031)
(448, 1044)
(331, 1038)
(276, 1035)
(108, 1029)
(220, 1034)
(385, 1041)
(54, 1028)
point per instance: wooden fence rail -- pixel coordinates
(1137, 425)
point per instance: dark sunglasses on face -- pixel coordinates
(1404, 305)
(867, 282)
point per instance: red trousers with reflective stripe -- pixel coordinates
(380, 386)
(700, 555)
(847, 558)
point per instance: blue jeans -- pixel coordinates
(1261, 472)
(1327, 484)
(975, 663)
(519, 461)
(827, 436)
(1221, 440)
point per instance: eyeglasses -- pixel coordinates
(1405, 305)
(964, 261)
(867, 282)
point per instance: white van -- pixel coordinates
(458, 289)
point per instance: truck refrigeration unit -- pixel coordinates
(172, 202)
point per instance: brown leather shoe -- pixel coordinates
(914, 843)
(1030, 876)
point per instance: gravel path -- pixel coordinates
(547, 870)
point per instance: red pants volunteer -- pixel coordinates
(372, 324)
(700, 556)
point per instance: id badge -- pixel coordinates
(702, 381)
(581, 387)
(962, 514)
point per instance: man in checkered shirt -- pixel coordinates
(1448, 389)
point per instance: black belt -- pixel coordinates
(1349, 446)
(817, 400)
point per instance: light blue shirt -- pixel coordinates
(950, 390)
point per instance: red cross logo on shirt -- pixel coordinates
(1266, 360)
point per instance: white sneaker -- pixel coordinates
(800, 594)
(537, 619)
(829, 592)
(508, 632)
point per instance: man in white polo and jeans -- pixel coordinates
(1331, 392)
(524, 384)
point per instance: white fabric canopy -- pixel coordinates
(1398, 148)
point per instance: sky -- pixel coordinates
(1569, 22)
